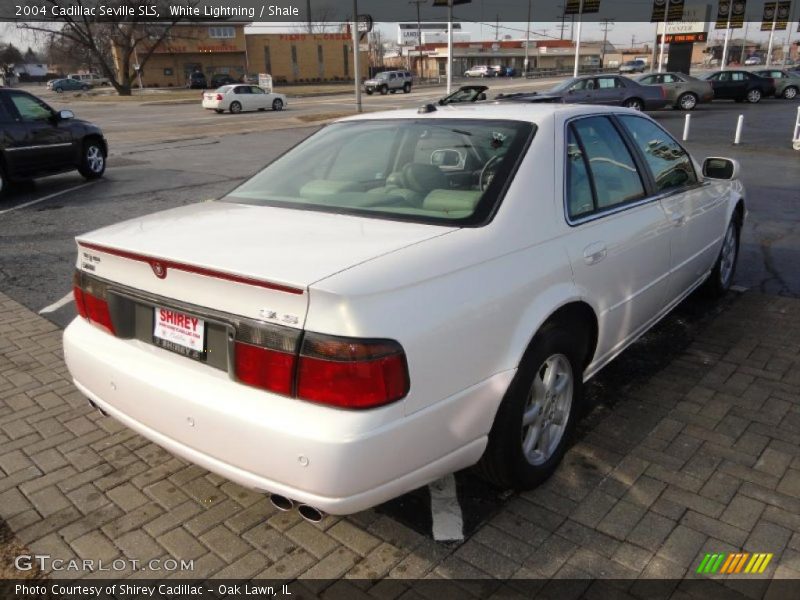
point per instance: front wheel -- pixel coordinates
(384, 90)
(687, 101)
(790, 93)
(235, 108)
(538, 413)
(754, 96)
(634, 103)
(721, 278)
(406, 88)
(277, 104)
(93, 161)
(57, 90)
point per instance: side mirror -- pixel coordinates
(715, 167)
(446, 158)
(63, 115)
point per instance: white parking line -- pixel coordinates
(43, 198)
(448, 523)
(56, 305)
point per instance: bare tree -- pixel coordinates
(111, 47)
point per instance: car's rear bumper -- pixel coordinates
(336, 460)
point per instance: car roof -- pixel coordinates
(507, 111)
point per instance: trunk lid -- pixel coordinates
(257, 262)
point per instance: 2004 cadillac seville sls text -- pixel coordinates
(400, 296)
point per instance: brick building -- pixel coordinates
(215, 48)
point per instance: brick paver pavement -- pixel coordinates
(702, 457)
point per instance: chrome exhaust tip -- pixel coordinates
(310, 514)
(282, 503)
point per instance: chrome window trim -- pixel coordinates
(628, 205)
(39, 147)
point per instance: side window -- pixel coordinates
(580, 199)
(605, 83)
(611, 167)
(723, 77)
(650, 79)
(738, 76)
(256, 90)
(670, 164)
(30, 108)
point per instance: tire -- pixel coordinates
(790, 93)
(513, 457)
(235, 108)
(58, 90)
(85, 88)
(93, 160)
(754, 96)
(634, 103)
(219, 111)
(721, 278)
(369, 92)
(277, 104)
(687, 101)
(406, 88)
(384, 90)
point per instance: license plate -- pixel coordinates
(179, 332)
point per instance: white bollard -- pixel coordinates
(686, 127)
(739, 125)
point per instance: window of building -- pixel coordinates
(222, 32)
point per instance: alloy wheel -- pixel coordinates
(688, 102)
(790, 93)
(634, 103)
(277, 104)
(728, 256)
(546, 413)
(753, 96)
(95, 159)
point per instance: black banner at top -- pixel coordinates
(589, 6)
(733, 10)
(782, 18)
(674, 12)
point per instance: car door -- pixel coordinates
(259, 98)
(40, 142)
(722, 84)
(581, 91)
(244, 96)
(739, 84)
(696, 211)
(619, 240)
(609, 91)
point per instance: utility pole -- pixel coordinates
(356, 44)
(308, 13)
(449, 46)
(496, 27)
(576, 70)
(419, 36)
(527, 42)
(772, 34)
(605, 25)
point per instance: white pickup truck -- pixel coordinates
(92, 79)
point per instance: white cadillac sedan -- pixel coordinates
(239, 97)
(400, 296)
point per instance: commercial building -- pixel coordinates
(227, 49)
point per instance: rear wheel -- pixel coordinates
(754, 96)
(721, 278)
(57, 90)
(277, 104)
(687, 101)
(790, 93)
(369, 91)
(93, 161)
(634, 103)
(219, 111)
(235, 108)
(537, 415)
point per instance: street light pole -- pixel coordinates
(450, 45)
(663, 37)
(578, 42)
(527, 41)
(419, 37)
(772, 34)
(356, 44)
(727, 37)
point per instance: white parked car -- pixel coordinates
(478, 71)
(239, 97)
(400, 296)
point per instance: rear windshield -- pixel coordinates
(447, 171)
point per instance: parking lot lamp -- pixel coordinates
(578, 42)
(725, 43)
(527, 42)
(356, 44)
(772, 34)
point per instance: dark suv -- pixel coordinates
(220, 79)
(197, 81)
(36, 140)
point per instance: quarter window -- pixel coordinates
(670, 164)
(614, 177)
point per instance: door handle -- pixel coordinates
(677, 219)
(594, 253)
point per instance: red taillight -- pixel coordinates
(264, 368)
(219, 96)
(91, 301)
(351, 373)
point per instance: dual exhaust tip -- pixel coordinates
(309, 513)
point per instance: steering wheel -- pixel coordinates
(484, 180)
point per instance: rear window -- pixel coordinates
(448, 171)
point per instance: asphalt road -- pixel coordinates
(38, 221)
